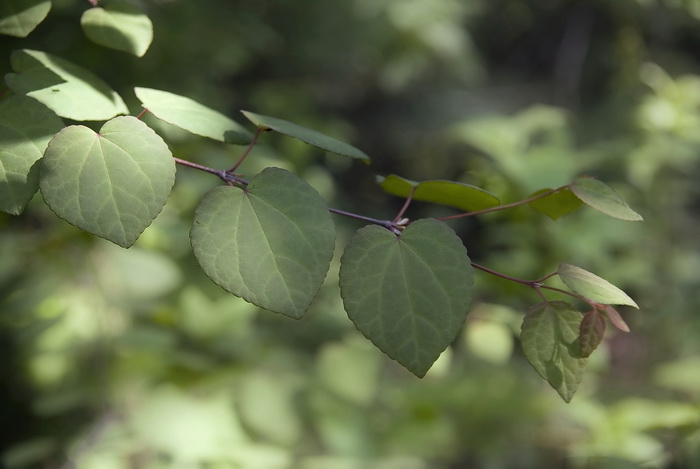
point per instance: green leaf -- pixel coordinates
(593, 287)
(454, 194)
(603, 198)
(550, 341)
(19, 17)
(67, 89)
(615, 318)
(271, 243)
(557, 204)
(191, 116)
(309, 136)
(26, 126)
(118, 25)
(408, 294)
(591, 332)
(112, 183)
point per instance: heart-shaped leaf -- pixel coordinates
(112, 183)
(19, 17)
(408, 294)
(600, 196)
(549, 339)
(312, 137)
(67, 89)
(591, 332)
(271, 244)
(593, 287)
(118, 25)
(454, 194)
(556, 204)
(191, 116)
(26, 126)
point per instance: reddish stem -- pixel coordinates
(245, 153)
(142, 113)
(405, 205)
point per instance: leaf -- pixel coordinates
(67, 89)
(19, 17)
(591, 332)
(26, 126)
(603, 198)
(454, 194)
(271, 244)
(593, 287)
(557, 204)
(192, 116)
(615, 318)
(550, 341)
(113, 183)
(408, 294)
(309, 136)
(118, 25)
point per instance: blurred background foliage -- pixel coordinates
(132, 358)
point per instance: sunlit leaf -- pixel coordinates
(26, 126)
(557, 204)
(408, 294)
(192, 116)
(271, 244)
(603, 198)
(118, 25)
(312, 137)
(454, 194)
(67, 89)
(593, 287)
(550, 341)
(615, 318)
(20, 17)
(591, 332)
(112, 183)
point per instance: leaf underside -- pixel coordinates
(600, 196)
(408, 294)
(271, 244)
(112, 183)
(591, 332)
(593, 287)
(549, 339)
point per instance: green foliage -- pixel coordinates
(409, 294)
(20, 17)
(593, 287)
(601, 197)
(118, 25)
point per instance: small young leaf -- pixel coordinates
(557, 204)
(593, 287)
(67, 89)
(193, 117)
(271, 244)
(312, 137)
(26, 126)
(408, 294)
(615, 318)
(19, 17)
(454, 194)
(118, 25)
(550, 341)
(603, 198)
(591, 332)
(112, 183)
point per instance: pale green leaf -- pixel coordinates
(454, 194)
(26, 126)
(408, 294)
(112, 183)
(591, 332)
(557, 204)
(549, 339)
(271, 243)
(603, 198)
(312, 137)
(593, 287)
(67, 89)
(118, 25)
(20, 17)
(191, 116)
